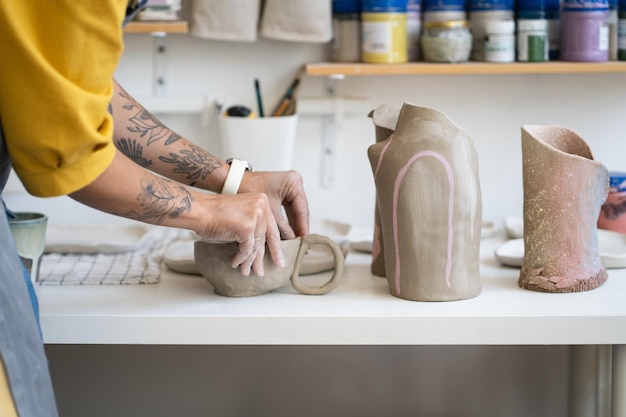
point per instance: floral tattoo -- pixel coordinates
(194, 163)
(146, 124)
(133, 150)
(161, 199)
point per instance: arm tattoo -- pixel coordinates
(194, 163)
(133, 150)
(160, 199)
(146, 124)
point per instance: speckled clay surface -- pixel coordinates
(564, 188)
(428, 194)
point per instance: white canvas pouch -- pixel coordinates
(232, 20)
(297, 20)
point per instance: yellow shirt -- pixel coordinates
(58, 59)
(7, 407)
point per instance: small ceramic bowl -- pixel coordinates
(213, 262)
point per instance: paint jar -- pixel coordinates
(480, 13)
(613, 30)
(553, 15)
(346, 46)
(613, 211)
(532, 40)
(585, 30)
(444, 10)
(383, 31)
(621, 30)
(500, 41)
(449, 41)
(413, 29)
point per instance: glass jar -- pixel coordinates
(446, 41)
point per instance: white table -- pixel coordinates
(182, 309)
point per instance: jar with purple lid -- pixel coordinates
(585, 30)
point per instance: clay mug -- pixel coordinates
(213, 262)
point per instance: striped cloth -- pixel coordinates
(139, 266)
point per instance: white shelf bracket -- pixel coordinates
(159, 64)
(333, 109)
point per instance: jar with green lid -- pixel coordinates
(446, 41)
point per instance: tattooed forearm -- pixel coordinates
(133, 150)
(161, 199)
(194, 163)
(145, 124)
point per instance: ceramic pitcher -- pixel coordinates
(429, 200)
(564, 188)
(385, 118)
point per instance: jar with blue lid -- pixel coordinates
(444, 10)
(621, 30)
(585, 30)
(346, 45)
(384, 31)
(543, 10)
(481, 12)
(613, 211)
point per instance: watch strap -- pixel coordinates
(234, 176)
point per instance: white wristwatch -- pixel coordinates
(235, 174)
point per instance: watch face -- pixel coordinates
(245, 163)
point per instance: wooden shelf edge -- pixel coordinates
(422, 68)
(178, 26)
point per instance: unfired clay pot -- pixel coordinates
(429, 199)
(385, 119)
(213, 262)
(564, 188)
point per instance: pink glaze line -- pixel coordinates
(396, 191)
(380, 157)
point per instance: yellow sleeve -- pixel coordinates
(55, 88)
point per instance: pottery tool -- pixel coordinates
(287, 99)
(259, 100)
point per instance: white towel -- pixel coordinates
(232, 20)
(138, 266)
(297, 20)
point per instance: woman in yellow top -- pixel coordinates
(69, 129)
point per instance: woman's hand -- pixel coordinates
(284, 189)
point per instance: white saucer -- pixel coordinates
(179, 257)
(612, 246)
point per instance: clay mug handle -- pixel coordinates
(305, 244)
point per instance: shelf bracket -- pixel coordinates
(333, 109)
(159, 64)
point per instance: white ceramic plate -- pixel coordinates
(94, 238)
(612, 246)
(179, 257)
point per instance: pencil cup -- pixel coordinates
(29, 233)
(266, 142)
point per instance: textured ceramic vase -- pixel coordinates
(429, 200)
(564, 188)
(385, 119)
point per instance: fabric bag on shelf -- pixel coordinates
(297, 20)
(232, 20)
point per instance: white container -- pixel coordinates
(500, 41)
(532, 40)
(478, 21)
(266, 142)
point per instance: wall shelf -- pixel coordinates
(178, 26)
(555, 67)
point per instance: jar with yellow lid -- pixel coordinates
(446, 41)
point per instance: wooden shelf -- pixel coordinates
(178, 26)
(555, 67)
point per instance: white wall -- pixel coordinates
(514, 381)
